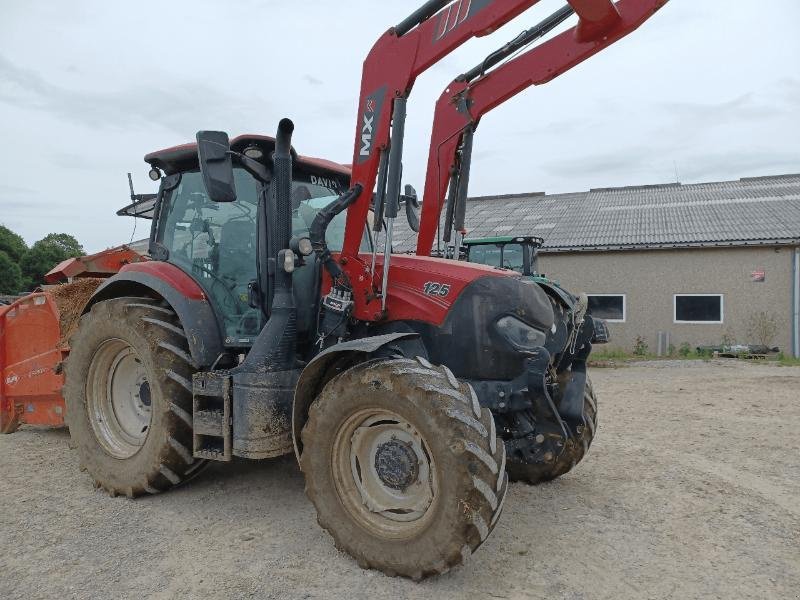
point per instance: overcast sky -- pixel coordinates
(87, 88)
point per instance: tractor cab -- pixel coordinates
(216, 243)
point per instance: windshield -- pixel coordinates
(509, 256)
(215, 242)
(485, 254)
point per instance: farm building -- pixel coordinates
(704, 263)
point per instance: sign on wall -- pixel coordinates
(758, 276)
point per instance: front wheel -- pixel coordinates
(403, 466)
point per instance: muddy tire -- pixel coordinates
(128, 396)
(403, 466)
(572, 455)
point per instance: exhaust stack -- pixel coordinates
(274, 349)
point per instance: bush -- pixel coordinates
(46, 254)
(12, 244)
(640, 348)
(728, 339)
(762, 327)
(685, 350)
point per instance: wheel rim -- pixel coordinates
(118, 398)
(384, 473)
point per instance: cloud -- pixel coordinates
(710, 166)
(174, 106)
(719, 165)
(598, 166)
(312, 80)
(743, 108)
(8, 190)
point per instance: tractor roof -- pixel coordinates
(504, 239)
(184, 157)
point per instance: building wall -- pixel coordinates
(649, 279)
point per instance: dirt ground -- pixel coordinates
(691, 490)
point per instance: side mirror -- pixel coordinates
(412, 207)
(216, 166)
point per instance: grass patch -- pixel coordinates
(619, 355)
(604, 356)
(610, 354)
(788, 361)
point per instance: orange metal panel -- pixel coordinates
(101, 264)
(30, 357)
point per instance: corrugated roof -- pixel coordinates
(753, 210)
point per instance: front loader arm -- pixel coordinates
(389, 72)
(469, 97)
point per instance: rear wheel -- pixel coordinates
(575, 450)
(128, 394)
(403, 466)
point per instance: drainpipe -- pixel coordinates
(796, 304)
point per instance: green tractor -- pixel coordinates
(516, 253)
(520, 253)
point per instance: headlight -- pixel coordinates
(519, 334)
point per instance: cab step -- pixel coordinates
(211, 416)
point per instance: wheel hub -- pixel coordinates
(144, 394)
(396, 464)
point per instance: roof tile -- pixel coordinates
(750, 210)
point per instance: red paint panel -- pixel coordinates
(406, 295)
(171, 275)
(409, 276)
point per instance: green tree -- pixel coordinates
(10, 275)
(12, 244)
(46, 254)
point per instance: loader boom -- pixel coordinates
(472, 95)
(407, 50)
(393, 64)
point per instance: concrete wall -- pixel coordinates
(649, 279)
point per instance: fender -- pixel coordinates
(323, 367)
(183, 294)
(557, 291)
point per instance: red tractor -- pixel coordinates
(267, 319)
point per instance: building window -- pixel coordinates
(610, 307)
(698, 308)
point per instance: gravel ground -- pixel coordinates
(690, 491)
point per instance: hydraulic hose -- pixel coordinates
(319, 226)
(422, 14)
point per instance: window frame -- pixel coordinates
(624, 306)
(676, 321)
